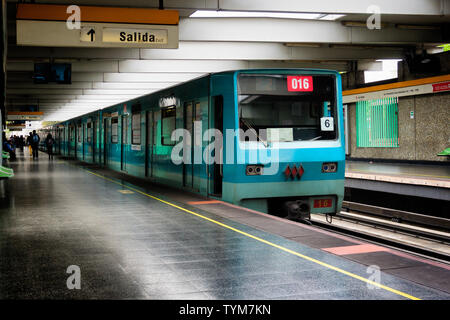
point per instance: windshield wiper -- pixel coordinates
(316, 138)
(256, 132)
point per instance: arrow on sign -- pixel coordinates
(92, 34)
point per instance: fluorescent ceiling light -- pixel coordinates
(332, 17)
(417, 27)
(253, 14)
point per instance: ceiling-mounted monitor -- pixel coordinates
(52, 72)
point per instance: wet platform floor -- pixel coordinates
(129, 245)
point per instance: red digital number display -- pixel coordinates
(323, 203)
(300, 84)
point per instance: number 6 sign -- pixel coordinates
(327, 124)
(300, 84)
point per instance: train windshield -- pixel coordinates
(286, 108)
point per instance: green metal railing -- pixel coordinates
(377, 123)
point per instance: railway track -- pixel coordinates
(419, 234)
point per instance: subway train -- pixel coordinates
(270, 140)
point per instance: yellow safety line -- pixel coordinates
(264, 241)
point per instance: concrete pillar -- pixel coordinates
(352, 80)
(4, 46)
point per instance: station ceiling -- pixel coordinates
(329, 34)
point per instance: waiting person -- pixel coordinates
(29, 143)
(21, 143)
(8, 147)
(35, 144)
(49, 141)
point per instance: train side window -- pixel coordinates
(79, 132)
(136, 129)
(114, 130)
(89, 131)
(197, 130)
(156, 120)
(168, 125)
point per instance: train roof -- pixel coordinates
(255, 70)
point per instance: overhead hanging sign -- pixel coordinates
(26, 116)
(15, 127)
(47, 25)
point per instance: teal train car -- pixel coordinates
(271, 140)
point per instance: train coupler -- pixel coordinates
(297, 210)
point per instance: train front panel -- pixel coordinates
(288, 155)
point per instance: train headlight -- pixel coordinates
(329, 167)
(254, 170)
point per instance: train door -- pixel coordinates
(149, 143)
(77, 140)
(56, 139)
(156, 142)
(60, 139)
(69, 139)
(94, 140)
(68, 134)
(123, 152)
(197, 151)
(73, 141)
(187, 146)
(83, 140)
(105, 140)
(217, 166)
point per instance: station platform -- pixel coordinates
(429, 181)
(135, 240)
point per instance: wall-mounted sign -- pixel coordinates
(445, 86)
(397, 92)
(402, 89)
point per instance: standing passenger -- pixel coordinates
(49, 141)
(35, 144)
(21, 143)
(29, 143)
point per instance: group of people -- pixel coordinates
(32, 141)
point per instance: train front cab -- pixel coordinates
(295, 165)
